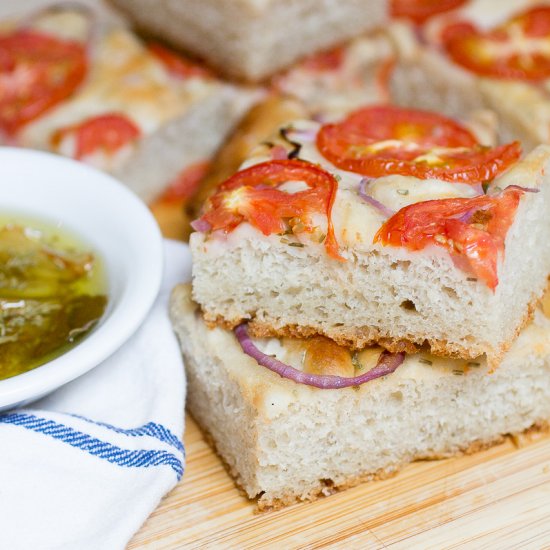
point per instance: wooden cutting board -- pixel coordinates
(498, 498)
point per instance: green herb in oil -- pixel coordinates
(51, 295)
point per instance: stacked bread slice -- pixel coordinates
(285, 442)
(288, 285)
(333, 341)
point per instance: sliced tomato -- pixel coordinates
(518, 49)
(327, 60)
(381, 140)
(254, 195)
(37, 71)
(177, 65)
(109, 133)
(185, 183)
(383, 77)
(419, 11)
(472, 230)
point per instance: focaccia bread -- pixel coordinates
(252, 39)
(447, 249)
(333, 82)
(488, 54)
(259, 123)
(285, 441)
(133, 109)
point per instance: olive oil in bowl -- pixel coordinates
(53, 291)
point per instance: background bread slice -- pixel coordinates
(193, 137)
(182, 120)
(285, 442)
(425, 77)
(252, 39)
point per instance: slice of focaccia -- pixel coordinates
(487, 54)
(252, 39)
(285, 441)
(392, 226)
(133, 109)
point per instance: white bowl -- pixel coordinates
(105, 215)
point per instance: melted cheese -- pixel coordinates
(398, 191)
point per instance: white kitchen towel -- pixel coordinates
(84, 467)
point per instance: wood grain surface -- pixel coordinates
(498, 498)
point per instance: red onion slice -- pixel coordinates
(387, 363)
(200, 225)
(384, 210)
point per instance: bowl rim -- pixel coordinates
(124, 317)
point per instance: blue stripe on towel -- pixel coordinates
(151, 429)
(96, 447)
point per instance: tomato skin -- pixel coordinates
(381, 122)
(419, 11)
(479, 51)
(37, 72)
(472, 230)
(253, 195)
(381, 140)
(327, 60)
(109, 132)
(184, 185)
(177, 65)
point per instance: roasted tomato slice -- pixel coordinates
(107, 133)
(518, 49)
(255, 195)
(381, 140)
(327, 60)
(37, 71)
(419, 11)
(178, 65)
(472, 230)
(184, 185)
